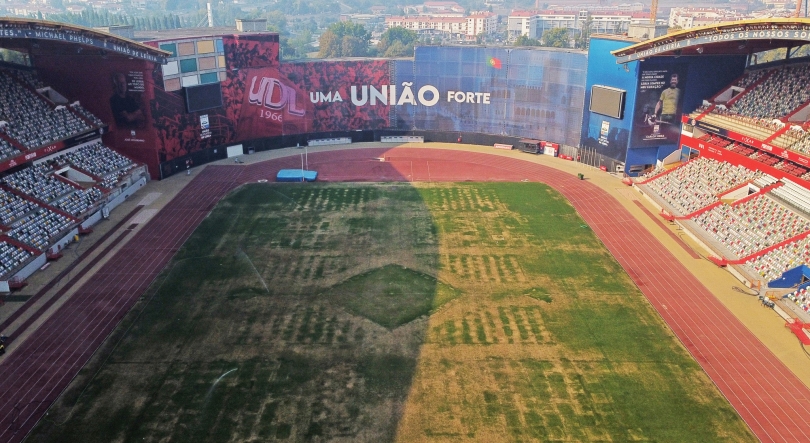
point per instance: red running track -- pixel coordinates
(737, 362)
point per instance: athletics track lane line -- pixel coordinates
(688, 330)
(609, 230)
(70, 359)
(692, 334)
(11, 318)
(612, 239)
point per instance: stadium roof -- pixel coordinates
(40, 37)
(741, 37)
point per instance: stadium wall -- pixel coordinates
(443, 91)
(637, 138)
(91, 81)
(530, 93)
(698, 78)
(607, 135)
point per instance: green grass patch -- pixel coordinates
(542, 336)
(391, 295)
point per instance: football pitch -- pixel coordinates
(392, 312)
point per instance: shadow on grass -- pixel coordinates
(292, 313)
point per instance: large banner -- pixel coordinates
(531, 93)
(116, 90)
(659, 103)
(336, 92)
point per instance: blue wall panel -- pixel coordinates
(534, 93)
(603, 70)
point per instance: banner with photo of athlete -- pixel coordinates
(659, 103)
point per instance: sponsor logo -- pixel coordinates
(270, 93)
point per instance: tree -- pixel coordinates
(329, 45)
(344, 39)
(523, 40)
(585, 34)
(397, 42)
(276, 21)
(556, 38)
(354, 46)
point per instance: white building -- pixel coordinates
(450, 26)
(686, 18)
(534, 24)
(436, 9)
(520, 23)
(454, 27)
(482, 23)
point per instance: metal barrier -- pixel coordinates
(402, 139)
(330, 141)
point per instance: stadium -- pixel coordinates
(501, 244)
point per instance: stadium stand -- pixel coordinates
(7, 151)
(753, 225)
(755, 127)
(38, 227)
(801, 298)
(13, 208)
(751, 77)
(29, 77)
(29, 119)
(100, 161)
(11, 257)
(87, 114)
(771, 265)
(790, 83)
(658, 170)
(39, 182)
(697, 183)
(39, 207)
(789, 138)
(36, 182)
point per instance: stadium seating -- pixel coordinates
(7, 151)
(87, 114)
(758, 128)
(658, 170)
(10, 258)
(100, 161)
(771, 265)
(34, 202)
(39, 227)
(38, 183)
(791, 84)
(750, 77)
(78, 201)
(801, 298)
(30, 120)
(697, 183)
(28, 222)
(29, 77)
(753, 225)
(789, 138)
(13, 208)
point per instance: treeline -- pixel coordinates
(91, 18)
